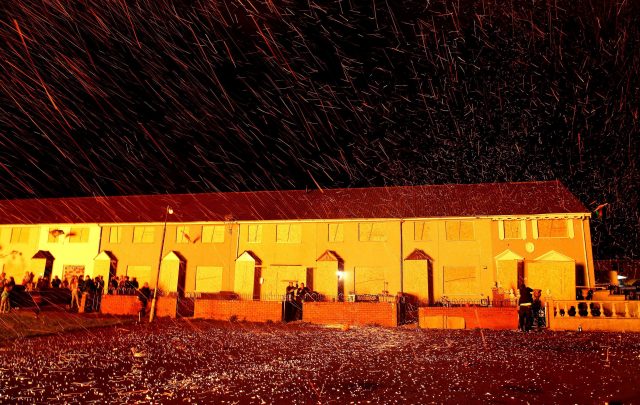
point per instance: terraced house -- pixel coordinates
(453, 241)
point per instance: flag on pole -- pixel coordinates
(599, 212)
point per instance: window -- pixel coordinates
(115, 234)
(254, 234)
(459, 230)
(20, 235)
(371, 232)
(512, 229)
(208, 279)
(552, 228)
(183, 234)
(288, 233)
(336, 232)
(144, 234)
(79, 235)
(421, 231)
(213, 234)
(460, 280)
(54, 235)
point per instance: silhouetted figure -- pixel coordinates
(525, 313)
(143, 295)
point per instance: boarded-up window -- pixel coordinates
(459, 230)
(144, 234)
(336, 232)
(370, 280)
(208, 279)
(512, 229)
(552, 228)
(141, 273)
(115, 234)
(371, 232)
(54, 235)
(460, 280)
(183, 234)
(288, 233)
(79, 235)
(213, 234)
(20, 235)
(421, 231)
(254, 234)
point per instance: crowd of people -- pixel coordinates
(78, 287)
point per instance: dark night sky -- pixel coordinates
(160, 96)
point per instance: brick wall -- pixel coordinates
(166, 306)
(120, 305)
(252, 311)
(130, 305)
(351, 313)
(474, 317)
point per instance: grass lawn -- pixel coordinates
(24, 323)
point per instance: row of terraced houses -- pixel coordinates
(461, 242)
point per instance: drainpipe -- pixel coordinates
(401, 258)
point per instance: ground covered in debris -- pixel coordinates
(224, 362)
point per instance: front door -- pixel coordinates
(184, 303)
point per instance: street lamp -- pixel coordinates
(167, 212)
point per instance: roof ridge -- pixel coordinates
(44, 199)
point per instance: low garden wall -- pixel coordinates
(351, 313)
(224, 310)
(130, 305)
(468, 317)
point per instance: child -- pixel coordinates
(4, 305)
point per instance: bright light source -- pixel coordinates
(340, 274)
(169, 210)
(622, 277)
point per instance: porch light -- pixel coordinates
(340, 274)
(622, 277)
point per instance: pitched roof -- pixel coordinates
(453, 200)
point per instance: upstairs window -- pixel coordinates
(55, 235)
(459, 230)
(288, 233)
(422, 231)
(371, 232)
(336, 232)
(20, 235)
(144, 234)
(512, 229)
(213, 234)
(552, 228)
(183, 234)
(115, 234)
(79, 235)
(254, 234)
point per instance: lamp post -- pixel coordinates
(167, 212)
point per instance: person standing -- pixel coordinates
(55, 283)
(289, 305)
(525, 313)
(5, 305)
(301, 295)
(73, 286)
(143, 295)
(99, 289)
